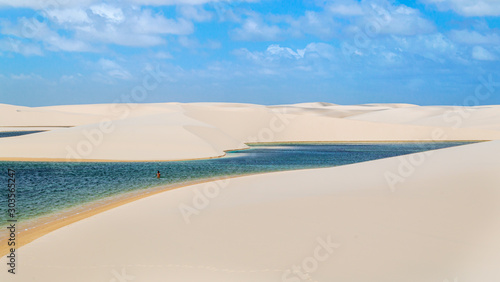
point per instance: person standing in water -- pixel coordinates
(158, 175)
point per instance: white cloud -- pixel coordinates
(23, 76)
(391, 57)
(284, 52)
(275, 52)
(435, 47)
(192, 43)
(84, 28)
(171, 2)
(108, 64)
(108, 12)
(113, 69)
(339, 19)
(469, 8)
(10, 44)
(58, 43)
(319, 24)
(315, 58)
(37, 4)
(187, 42)
(66, 78)
(68, 16)
(345, 8)
(163, 55)
(319, 50)
(88, 25)
(254, 28)
(112, 25)
(479, 53)
(395, 20)
(475, 38)
(114, 35)
(149, 23)
(225, 12)
(372, 18)
(196, 13)
(32, 29)
(140, 29)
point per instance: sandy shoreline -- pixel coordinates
(47, 224)
(102, 161)
(230, 150)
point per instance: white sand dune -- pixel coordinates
(29, 128)
(208, 129)
(149, 137)
(440, 224)
(389, 105)
(427, 217)
(401, 115)
(313, 105)
(483, 117)
(119, 110)
(13, 116)
(288, 124)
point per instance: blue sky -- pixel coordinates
(427, 52)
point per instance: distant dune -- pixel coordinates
(175, 131)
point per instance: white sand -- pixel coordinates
(26, 116)
(174, 131)
(442, 223)
(483, 117)
(438, 220)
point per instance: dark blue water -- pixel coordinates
(47, 187)
(17, 133)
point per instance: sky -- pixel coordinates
(425, 52)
